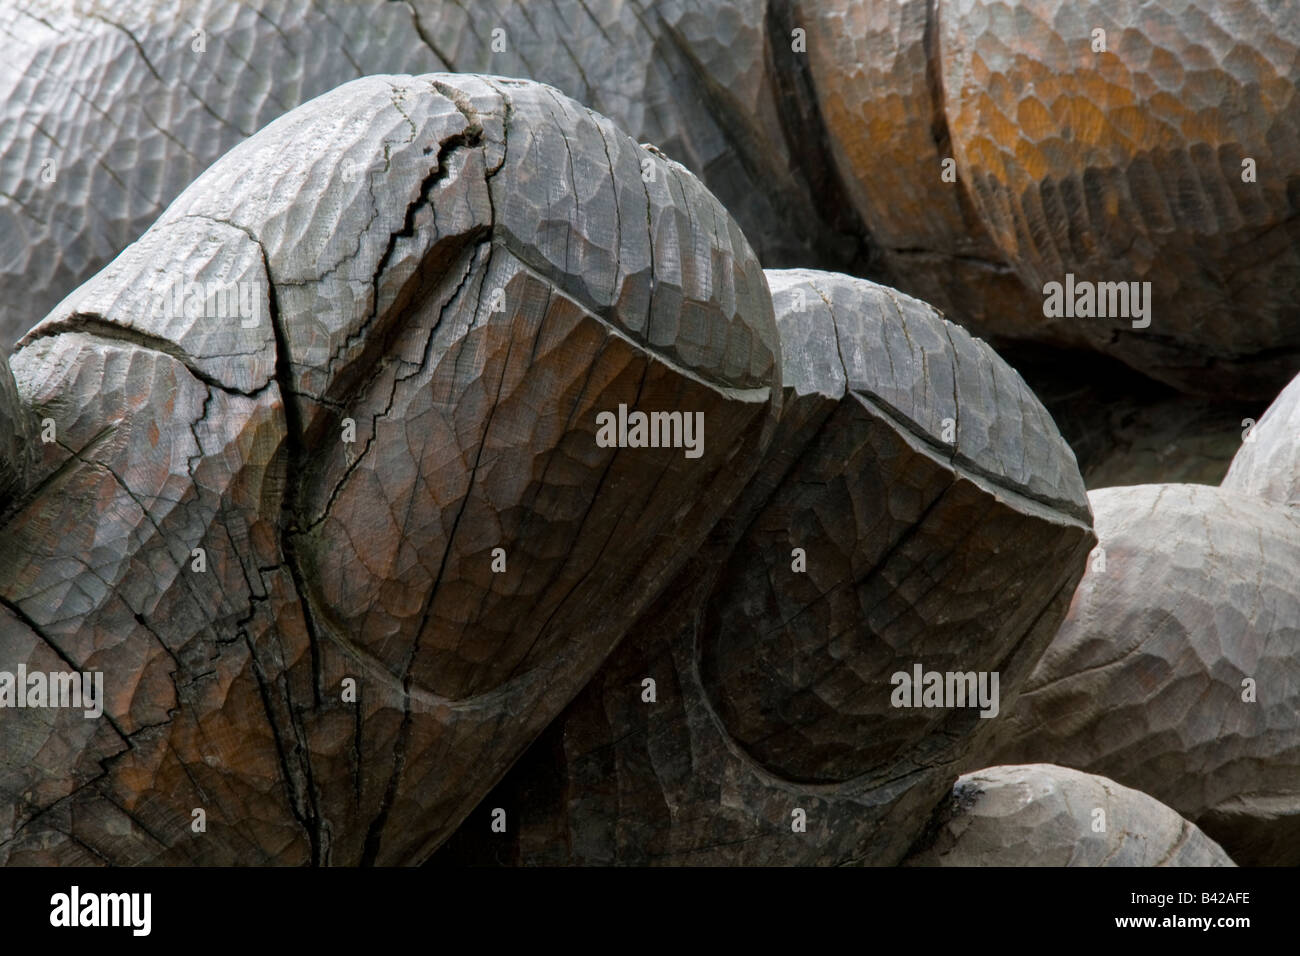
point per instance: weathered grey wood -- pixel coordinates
(17, 437)
(900, 522)
(1175, 670)
(118, 96)
(774, 686)
(715, 84)
(1043, 815)
(1268, 463)
(327, 558)
(373, 243)
(826, 145)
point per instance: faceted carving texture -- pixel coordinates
(877, 74)
(1041, 815)
(130, 110)
(1268, 464)
(1175, 671)
(463, 271)
(829, 145)
(294, 426)
(1126, 164)
(773, 686)
(1122, 163)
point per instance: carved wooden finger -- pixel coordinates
(1175, 671)
(923, 457)
(1141, 142)
(993, 148)
(719, 85)
(942, 523)
(823, 125)
(1043, 815)
(1268, 463)
(879, 87)
(330, 506)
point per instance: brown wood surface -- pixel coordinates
(370, 559)
(774, 686)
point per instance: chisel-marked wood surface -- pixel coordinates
(772, 683)
(319, 466)
(111, 109)
(17, 434)
(295, 423)
(1143, 141)
(879, 88)
(1176, 670)
(1268, 463)
(940, 513)
(969, 152)
(1043, 815)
